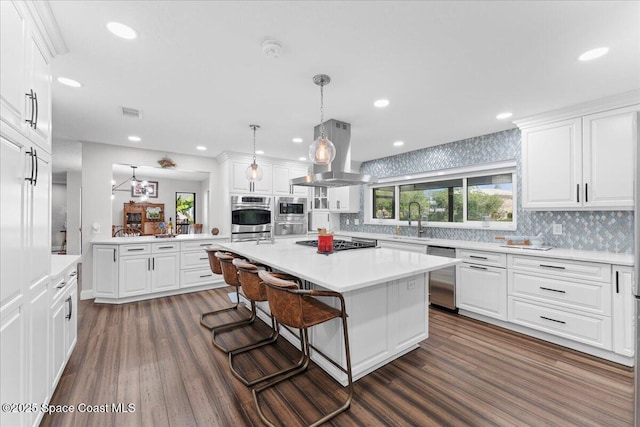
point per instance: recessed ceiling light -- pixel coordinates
(505, 115)
(259, 152)
(122, 30)
(381, 103)
(201, 148)
(69, 82)
(297, 140)
(134, 138)
(593, 54)
(302, 159)
(398, 143)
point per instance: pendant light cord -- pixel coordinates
(254, 144)
(322, 109)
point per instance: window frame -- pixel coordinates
(498, 168)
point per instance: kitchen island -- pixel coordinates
(385, 292)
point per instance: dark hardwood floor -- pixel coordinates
(155, 355)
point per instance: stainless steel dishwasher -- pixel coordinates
(442, 282)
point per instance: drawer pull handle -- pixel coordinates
(165, 247)
(61, 285)
(553, 290)
(135, 249)
(553, 320)
(558, 267)
(73, 273)
(203, 258)
(617, 282)
(478, 268)
(206, 275)
(205, 244)
(477, 257)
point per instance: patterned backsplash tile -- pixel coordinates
(610, 231)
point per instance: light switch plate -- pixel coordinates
(557, 229)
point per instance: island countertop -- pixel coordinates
(153, 239)
(341, 271)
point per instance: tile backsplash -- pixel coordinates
(610, 231)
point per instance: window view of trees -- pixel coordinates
(488, 198)
(185, 208)
(384, 201)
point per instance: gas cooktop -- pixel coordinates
(340, 245)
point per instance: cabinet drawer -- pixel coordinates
(165, 247)
(199, 276)
(485, 258)
(482, 290)
(593, 330)
(562, 268)
(137, 249)
(198, 244)
(194, 259)
(594, 297)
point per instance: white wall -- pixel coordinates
(58, 214)
(97, 161)
(74, 195)
(167, 189)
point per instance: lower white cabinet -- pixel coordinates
(481, 283)
(194, 265)
(149, 273)
(105, 271)
(624, 311)
(64, 324)
(13, 369)
(39, 386)
(403, 246)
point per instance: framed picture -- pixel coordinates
(150, 190)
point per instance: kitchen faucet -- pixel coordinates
(420, 229)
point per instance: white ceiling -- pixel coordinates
(147, 172)
(199, 76)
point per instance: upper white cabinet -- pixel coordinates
(240, 183)
(344, 199)
(582, 162)
(281, 181)
(25, 75)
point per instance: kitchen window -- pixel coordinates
(475, 197)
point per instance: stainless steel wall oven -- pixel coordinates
(290, 216)
(250, 218)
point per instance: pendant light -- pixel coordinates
(254, 172)
(322, 151)
(135, 182)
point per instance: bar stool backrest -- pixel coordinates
(252, 285)
(285, 306)
(214, 262)
(229, 271)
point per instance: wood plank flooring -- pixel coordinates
(155, 355)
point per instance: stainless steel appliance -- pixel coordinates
(442, 282)
(290, 216)
(250, 218)
(343, 245)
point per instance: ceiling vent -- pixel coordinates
(132, 113)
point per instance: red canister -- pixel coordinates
(325, 243)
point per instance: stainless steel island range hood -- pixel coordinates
(338, 173)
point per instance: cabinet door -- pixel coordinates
(264, 186)
(281, 180)
(12, 65)
(239, 181)
(552, 166)
(609, 144)
(40, 82)
(165, 272)
(11, 216)
(38, 225)
(482, 290)
(39, 379)
(344, 199)
(58, 346)
(105, 271)
(299, 190)
(134, 275)
(13, 354)
(71, 306)
(624, 311)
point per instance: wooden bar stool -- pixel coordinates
(254, 289)
(220, 263)
(297, 308)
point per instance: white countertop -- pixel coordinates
(341, 271)
(152, 239)
(59, 263)
(571, 254)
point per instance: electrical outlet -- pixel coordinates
(347, 221)
(356, 221)
(557, 229)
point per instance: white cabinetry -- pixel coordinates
(194, 265)
(624, 311)
(570, 299)
(344, 199)
(481, 283)
(64, 325)
(403, 246)
(580, 163)
(281, 181)
(240, 183)
(105, 271)
(39, 386)
(148, 268)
